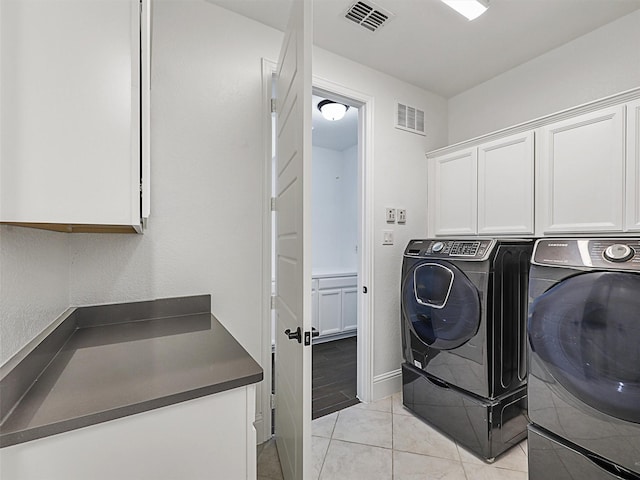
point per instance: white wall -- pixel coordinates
(34, 284)
(601, 63)
(204, 234)
(334, 210)
(400, 172)
(205, 228)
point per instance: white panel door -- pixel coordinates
(349, 308)
(582, 173)
(632, 205)
(293, 245)
(330, 311)
(70, 76)
(505, 185)
(454, 193)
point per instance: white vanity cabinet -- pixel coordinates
(75, 105)
(485, 190)
(334, 303)
(632, 217)
(582, 173)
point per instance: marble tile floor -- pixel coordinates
(385, 441)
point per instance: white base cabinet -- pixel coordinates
(334, 305)
(208, 437)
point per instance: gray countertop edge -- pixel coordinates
(15, 438)
(23, 370)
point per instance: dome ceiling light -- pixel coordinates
(331, 110)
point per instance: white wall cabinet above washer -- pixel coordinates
(582, 163)
(485, 190)
(505, 185)
(453, 180)
(632, 205)
(75, 105)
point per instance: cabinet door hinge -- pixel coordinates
(273, 401)
(140, 187)
(273, 204)
(273, 105)
(273, 302)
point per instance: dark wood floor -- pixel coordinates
(334, 376)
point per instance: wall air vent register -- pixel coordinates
(410, 119)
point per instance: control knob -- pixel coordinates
(618, 253)
(437, 247)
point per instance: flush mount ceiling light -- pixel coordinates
(331, 110)
(471, 9)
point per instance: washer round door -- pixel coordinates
(441, 305)
(586, 331)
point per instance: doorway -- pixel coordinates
(334, 220)
(363, 103)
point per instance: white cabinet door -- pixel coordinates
(582, 173)
(453, 193)
(632, 205)
(330, 311)
(349, 308)
(70, 76)
(505, 185)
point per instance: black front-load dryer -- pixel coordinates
(464, 305)
(584, 377)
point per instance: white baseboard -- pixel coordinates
(387, 384)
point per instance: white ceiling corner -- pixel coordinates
(442, 52)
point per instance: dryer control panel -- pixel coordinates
(605, 253)
(471, 250)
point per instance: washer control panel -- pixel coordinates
(477, 249)
(605, 253)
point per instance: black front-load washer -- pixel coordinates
(584, 377)
(464, 305)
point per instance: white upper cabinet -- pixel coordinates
(633, 167)
(486, 190)
(74, 110)
(505, 185)
(582, 173)
(453, 193)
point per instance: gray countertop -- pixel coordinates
(110, 370)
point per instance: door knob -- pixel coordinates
(297, 335)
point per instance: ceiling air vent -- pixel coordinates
(368, 15)
(410, 119)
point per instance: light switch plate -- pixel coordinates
(387, 237)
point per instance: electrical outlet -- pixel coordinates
(387, 237)
(402, 215)
(390, 214)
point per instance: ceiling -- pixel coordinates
(429, 45)
(338, 135)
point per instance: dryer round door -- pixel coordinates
(586, 331)
(441, 305)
